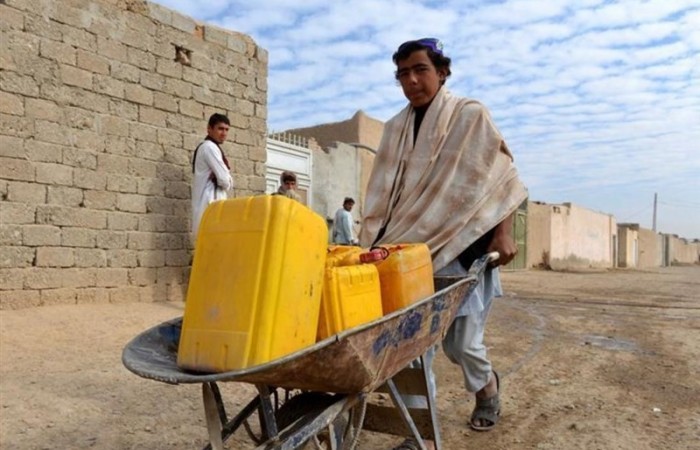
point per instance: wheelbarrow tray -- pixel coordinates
(356, 360)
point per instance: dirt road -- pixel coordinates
(606, 360)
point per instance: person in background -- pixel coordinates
(342, 226)
(288, 185)
(211, 172)
(443, 175)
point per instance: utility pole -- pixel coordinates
(653, 223)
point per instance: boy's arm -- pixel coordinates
(213, 159)
(503, 242)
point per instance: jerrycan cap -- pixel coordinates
(375, 254)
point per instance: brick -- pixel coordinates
(176, 292)
(71, 217)
(142, 241)
(191, 108)
(143, 132)
(125, 72)
(16, 169)
(11, 19)
(80, 38)
(54, 257)
(104, 84)
(121, 258)
(11, 279)
(65, 196)
(41, 235)
(177, 88)
(26, 192)
(15, 256)
(169, 68)
(88, 100)
(89, 179)
(43, 109)
(153, 293)
(58, 51)
(19, 299)
(141, 59)
(92, 62)
(148, 186)
(152, 116)
(80, 118)
(183, 23)
(114, 125)
(132, 203)
(40, 278)
(121, 145)
(142, 276)
(11, 104)
(12, 147)
(16, 213)
(121, 183)
(17, 126)
(159, 13)
(82, 159)
(177, 189)
(177, 258)
(100, 200)
(92, 296)
(171, 138)
(129, 294)
(52, 132)
(108, 239)
(78, 277)
(10, 234)
(158, 205)
(44, 151)
(153, 222)
(111, 277)
(78, 237)
(63, 296)
(144, 169)
(151, 80)
(151, 258)
(165, 102)
(90, 257)
(54, 174)
(111, 49)
(170, 275)
(112, 164)
(148, 150)
(73, 76)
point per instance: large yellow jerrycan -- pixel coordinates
(255, 289)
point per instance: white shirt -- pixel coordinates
(204, 191)
(342, 227)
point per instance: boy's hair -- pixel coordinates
(434, 50)
(217, 118)
(348, 200)
(288, 176)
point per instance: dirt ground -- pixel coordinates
(595, 360)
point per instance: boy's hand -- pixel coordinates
(503, 243)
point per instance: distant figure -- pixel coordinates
(342, 226)
(211, 172)
(288, 185)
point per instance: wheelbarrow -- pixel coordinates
(321, 394)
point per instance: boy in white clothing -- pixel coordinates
(211, 172)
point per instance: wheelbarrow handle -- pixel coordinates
(479, 266)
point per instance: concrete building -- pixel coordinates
(681, 251)
(566, 236)
(639, 247)
(101, 106)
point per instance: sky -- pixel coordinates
(599, 101)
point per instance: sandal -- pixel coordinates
(487, 409)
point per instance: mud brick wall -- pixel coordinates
(101, 105)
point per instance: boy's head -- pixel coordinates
(288, 180)
(348, 203)
(421, 69)
(217, 128)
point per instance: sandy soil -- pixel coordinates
(596, 360)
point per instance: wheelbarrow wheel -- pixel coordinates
(279, 397)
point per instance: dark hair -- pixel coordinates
(439, 60)
(217, 118)
(288, 175)
(348, 200)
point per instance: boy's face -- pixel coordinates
(419, 78)
(218, 132)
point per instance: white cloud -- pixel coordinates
(598, 99)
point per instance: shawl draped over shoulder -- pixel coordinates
(455, 184)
